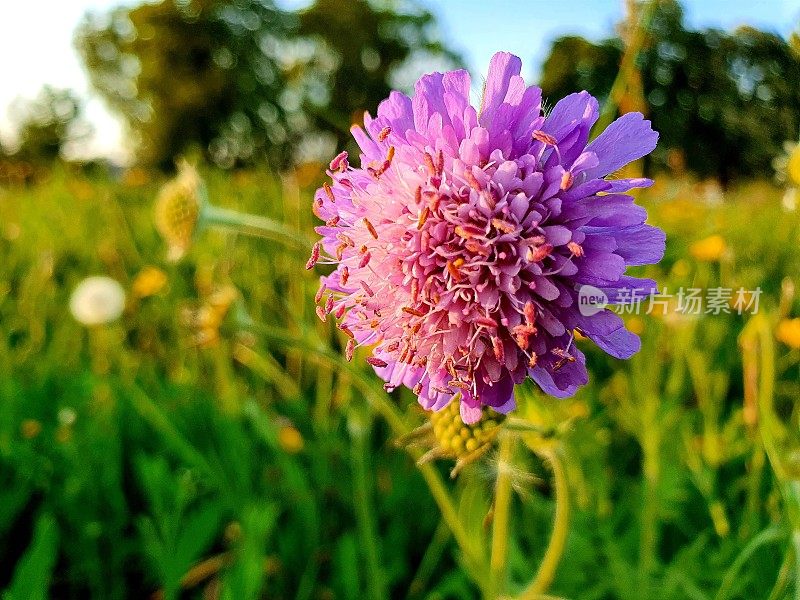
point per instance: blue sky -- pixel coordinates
(476, 28)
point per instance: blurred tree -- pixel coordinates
(725, 101)
(191, 72)
(794, 41)
(240, 79)
(46, 125)
(370, 41)
(577, 64)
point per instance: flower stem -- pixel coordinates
(450, 516)
(502, 505)
(253, 225)
(558, 539)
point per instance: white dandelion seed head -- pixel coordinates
(97, 301)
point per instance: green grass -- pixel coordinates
(134, 462)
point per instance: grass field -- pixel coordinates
(213, 443)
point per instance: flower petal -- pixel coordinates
(502, 68)
(627, 139)
(640, 245)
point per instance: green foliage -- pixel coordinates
(794, 42)
(725, 102)
(133, 461)
(577, 64)
(33, 572)
(175, 536)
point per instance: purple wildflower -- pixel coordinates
(462, 240)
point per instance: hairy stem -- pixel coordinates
(502, 506)
(254, 225)
(558, 539)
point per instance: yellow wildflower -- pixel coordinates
(149, 282)
(290, 439)
(789, 332)
(710, 249)
(793, 166)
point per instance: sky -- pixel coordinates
(475, 28)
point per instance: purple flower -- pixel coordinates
(462, 241)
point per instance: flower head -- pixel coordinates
(97, 301)
(462, 240)
(178, 210)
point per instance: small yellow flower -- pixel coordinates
(793, 166)
(681, 268)
(149, 282)
(577, 409)
(789, 332)
(30, 428)
(635, 325)
(207, 319)
(290, 439)
(710, 249)
(135, 177)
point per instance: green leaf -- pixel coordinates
(32, 576)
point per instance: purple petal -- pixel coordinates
(369, 148)
(502, 68)
(627, 139)
(619, 344)
(397, 110)
(497, 394)
(623, 185)
(574, 112)
(563, 382)
(614, 210)
(628, 289)
(640, 245)
(470, 413)
(608, 266)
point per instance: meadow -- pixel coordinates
(214, 443)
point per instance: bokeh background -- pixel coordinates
(208, 441)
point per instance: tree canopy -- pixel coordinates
(46, 125)
(243, 79)
(725, 101)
